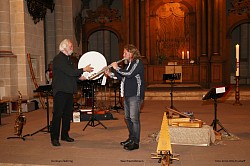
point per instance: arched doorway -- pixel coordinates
(106, 42)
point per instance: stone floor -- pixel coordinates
(96, 146)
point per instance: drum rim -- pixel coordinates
(97, 61)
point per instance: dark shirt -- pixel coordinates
(133, 77)
(65, 76)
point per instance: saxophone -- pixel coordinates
(20, 120)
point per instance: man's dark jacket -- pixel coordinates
(65, 76)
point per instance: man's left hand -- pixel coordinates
(82, 78)
(88, 68)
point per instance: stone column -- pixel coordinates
(5, 37)
(204, 61)
(50, 38)
(203, 28)
(58, 23)
(209, 27)
(132, 22)
(6, 55)
(216, 29)
(142, 27)
(198, 27)
(137, 24)
(216, 68)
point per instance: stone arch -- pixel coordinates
(234, 22)
(116, 31)
(234, 25)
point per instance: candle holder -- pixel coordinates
(183, 61)
(237, 92)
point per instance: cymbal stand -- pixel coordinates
(92, 119)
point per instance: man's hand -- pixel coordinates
(106, 70)
(88, 68)
(114, 65)
(82, 78)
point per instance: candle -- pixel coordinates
(182, 55)
(187, 54)
(237, 52)
(237, 60)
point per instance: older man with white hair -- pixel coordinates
(64, 85)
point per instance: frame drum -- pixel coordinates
(97, 61)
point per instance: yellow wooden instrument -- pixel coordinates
(164, 149)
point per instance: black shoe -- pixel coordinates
(55, 142)
(68, 139)
(126, 142)
(131, 146)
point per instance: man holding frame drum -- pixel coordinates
(64, 85)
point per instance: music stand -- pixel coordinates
(116, 88)
(215, 93)
(171, 78)
(47, 89)
(92, 119)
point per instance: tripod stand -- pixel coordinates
(92, 119)
(216, 121)
(171, 95)
(21, 120)
(47, 90)
(20, 136)
(214, 94)
(171, 78)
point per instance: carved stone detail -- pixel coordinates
(102, 15)
(240, 7)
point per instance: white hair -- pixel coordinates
(64, 44)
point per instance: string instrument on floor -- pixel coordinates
(164, 149)
(33, 76)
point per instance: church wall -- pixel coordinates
(26, 37)
(8, 71)
(50, 42)
(60, 25)
(210, 41)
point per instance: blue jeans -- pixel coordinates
(132, 107)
